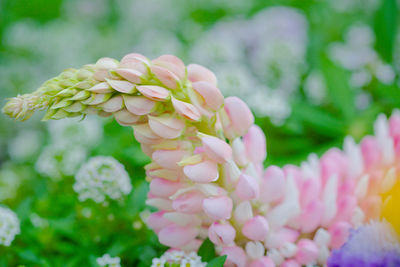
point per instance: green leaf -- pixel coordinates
(217, 262)
(340, 93)
(318, 120)
(207, 251)
(385, 28)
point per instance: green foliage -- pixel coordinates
(206, 251)
(385, 25)
(217, 262)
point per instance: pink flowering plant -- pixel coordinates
(207, 183)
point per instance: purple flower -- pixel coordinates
(371, 245)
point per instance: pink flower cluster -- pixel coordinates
(207, 177)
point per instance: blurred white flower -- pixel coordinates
(357, 54)
(38, 221)
(24, 145)
(102, 177)
(154, 43)
(85, 9)
(9, 226)
(87, 132)
(348, 6)
(9, 183)
(178, 258)
(315, 87)
(277, 40)
(259, 60)
(363, 100)
(107, 261)
(57, 160)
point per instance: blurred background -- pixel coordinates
(312, 71)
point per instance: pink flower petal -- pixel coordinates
(154, 92)
(138, 105)
(187, 110)
(203, 172)
(210, 93)
(198, 73)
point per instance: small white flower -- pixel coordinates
(74, 131)
(57, 160)
(9, 226)
(107, 261)
(24, 145)
(156, 262)
(178, 258)
(101, 178)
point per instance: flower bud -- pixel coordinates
(280, 236)
(159, 203)
(243, 212)
(186, 110)
(256, 228)
(106, 63)
(235, 255)
(247, 187)
(370, 151)
(166, 126)
(339, 233)
(169, 158)
(310, 217)
(164, 188)
(307, 252)
(239, 117)
(255, 144)
(221, 234)
(255, 250)
(166, 77)
(113, 104)
(122, 86)
(272, 186)
(101, 88)
(144, 134)
(262, 262)
(322, 237)
(210, 93)
(190, 202)
(239, 152)
(156, 221)
(218, 208)
(154, 92)
(199, 73)
(171, 63)
(138, 105)
(135, 61)
(290, 263)
(183, 219)
(216, 149)
(131, 75)
(126, 118)
(203, 172)
(177, 236)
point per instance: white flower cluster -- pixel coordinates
(107, 261)
(75, 131)
(24, 145)
(10, 182)
(178, 258)
(272, 45)
(70, 141)
(102, 177)
(57, 160)
(348, 6)
(357, 54)
(9, 226)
